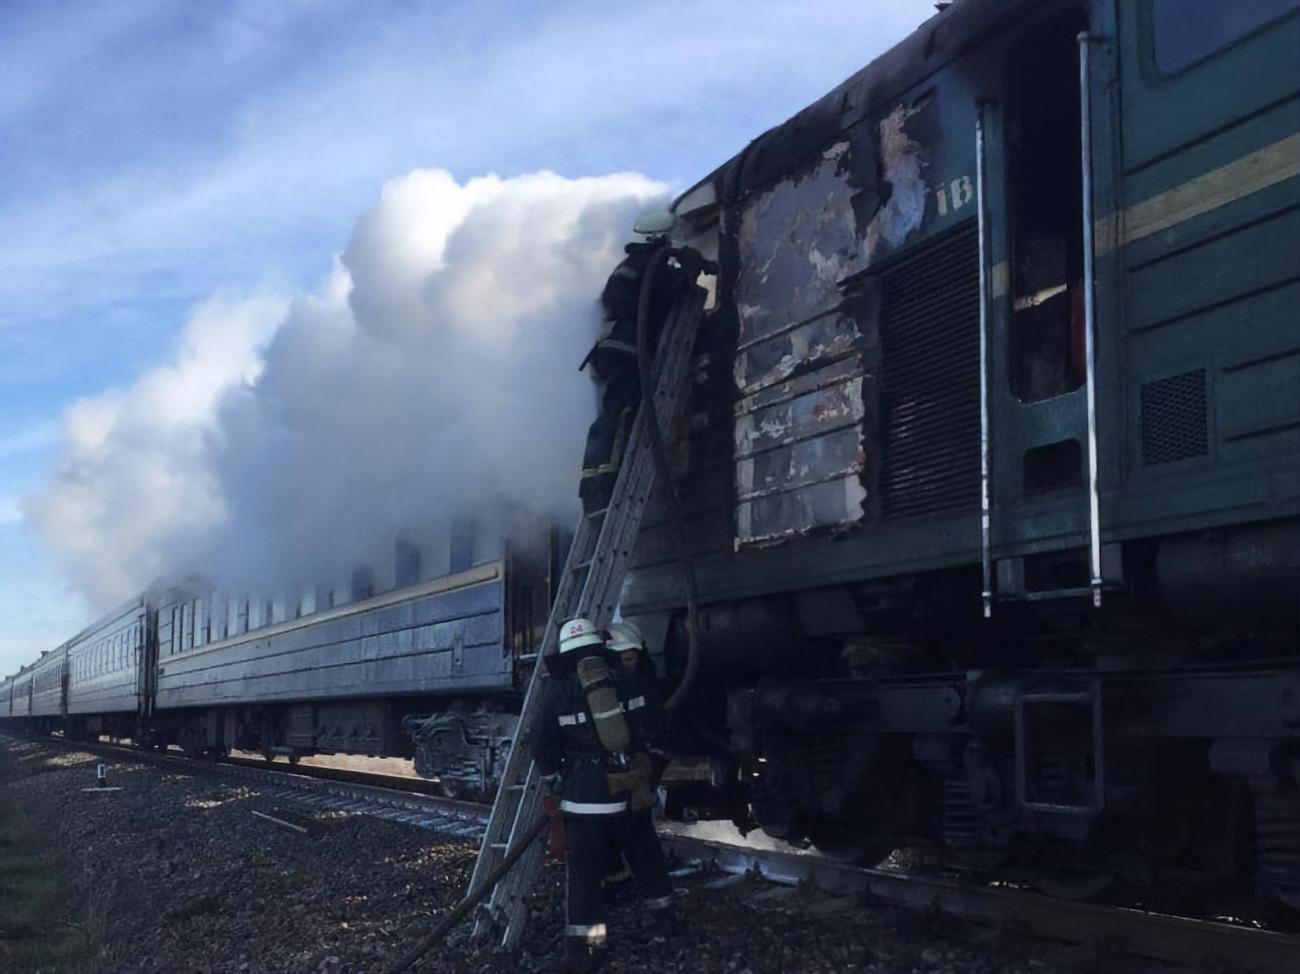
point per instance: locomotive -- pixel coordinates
(992, 473)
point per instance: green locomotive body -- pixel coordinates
(988, 558)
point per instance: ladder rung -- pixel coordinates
(500, 845)
(581, 566)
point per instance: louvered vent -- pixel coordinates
(1174, 426)
(930, 352)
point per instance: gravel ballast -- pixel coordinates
(178, 875)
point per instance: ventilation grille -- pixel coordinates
(930, 357)
(1173, 418)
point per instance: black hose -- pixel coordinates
(660, 455)
(471, 899)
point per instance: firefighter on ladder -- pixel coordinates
(613, 358)
(601, 738)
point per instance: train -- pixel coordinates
(990, 477)
(419, 657)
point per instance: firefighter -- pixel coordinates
(626, 640)
(613, 358)
(601, 738)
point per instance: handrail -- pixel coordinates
(1089, 313)
(986, 523)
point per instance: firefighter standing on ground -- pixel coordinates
(603, 735)
(613, 358)
(624, 640)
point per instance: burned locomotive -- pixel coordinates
(992, 468)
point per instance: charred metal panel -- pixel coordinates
(798, 449)
(796, 241)
(905, 192)
(799, 368)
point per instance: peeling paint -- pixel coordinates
(902, 169)
(798, 436)
(796, 240)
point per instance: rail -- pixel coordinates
(1196, 943)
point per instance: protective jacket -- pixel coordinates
(567, 742)
(616, 348)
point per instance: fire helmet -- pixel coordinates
(577, 633)
(624, 636)
(653, 225)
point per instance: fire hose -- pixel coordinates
(660, 455)
(471, 899)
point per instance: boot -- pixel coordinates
(578, 958)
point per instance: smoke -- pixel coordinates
(433, 375)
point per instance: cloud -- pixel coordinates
(133, 480)
(433, 373)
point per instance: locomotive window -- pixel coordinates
(1187, 31)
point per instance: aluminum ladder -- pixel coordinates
(591, 587)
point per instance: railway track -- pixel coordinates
(1190, 942)
(392, 797)
(1195, 943)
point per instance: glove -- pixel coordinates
(693, 261)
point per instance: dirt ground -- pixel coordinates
(174, 873)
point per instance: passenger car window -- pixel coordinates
(1187, 31)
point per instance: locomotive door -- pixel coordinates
(1042, 151)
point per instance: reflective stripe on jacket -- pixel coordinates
(567, 742)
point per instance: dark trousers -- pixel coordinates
(607, 438)
(588, 838)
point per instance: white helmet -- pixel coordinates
(624, 636)
(577, 633)
(653, 225)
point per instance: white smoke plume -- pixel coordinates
(433, 374)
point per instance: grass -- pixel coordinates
(37, 906)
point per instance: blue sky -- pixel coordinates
(159, 153)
